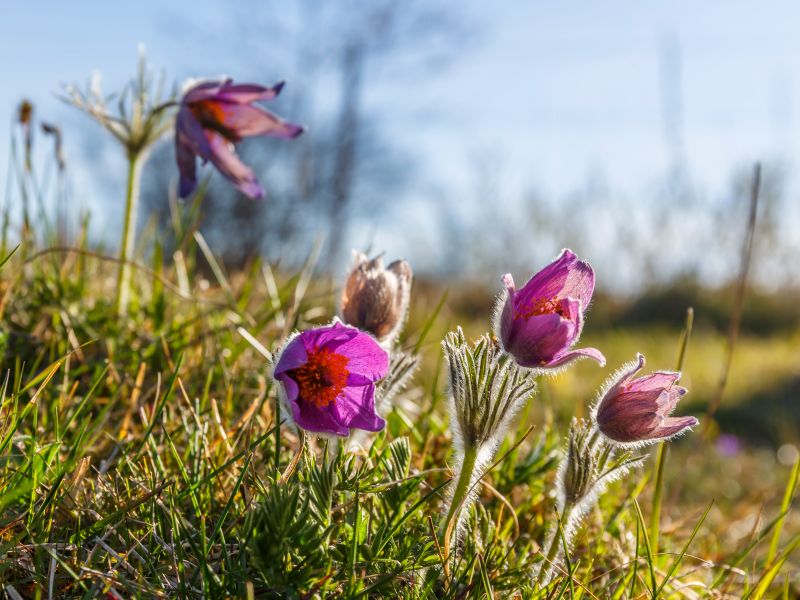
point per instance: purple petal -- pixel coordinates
(535, 341)
(629, 405)
(629, 429)
(659, 380)
(289, 386)
(566, 277)
(355, 408)
(190, 133)
(576, 354)
(241, 93)
(365, 357)
(245, 93)
(317, 419)
(231, 167)
(670, 398)
(244, 121)
(673, 426)
(293, 355)
(187, 168)
(624, 376)
(329, 336)
(203, 91)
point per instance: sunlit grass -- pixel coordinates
(137, 458)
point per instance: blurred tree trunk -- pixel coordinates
(345, 160)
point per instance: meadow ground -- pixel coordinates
(138, 455)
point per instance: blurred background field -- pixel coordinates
(472, 142)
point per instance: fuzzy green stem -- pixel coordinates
(555, 546)
(462, 488)
(128, 234)
(277, 437)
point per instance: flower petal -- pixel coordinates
(566, 277)
(577, 354)
(537, 340)
(189, 132)
(245, 93)
(289, 386)
(673, 426)
(292, 356)
(243, 120)
(231, 167)
(204, 91)
(240, 93)
(658, 380)
(187, 168)
(355, 408)
(365, 356)
(311, 417)
(329, 336)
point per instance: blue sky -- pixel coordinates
(553, 92)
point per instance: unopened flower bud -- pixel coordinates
(25, 112)
(375, 298)
(636, 410)
(579, 466)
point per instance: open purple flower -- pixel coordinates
(539, 324)
(214, 116)
(633, 411)
(327, 377)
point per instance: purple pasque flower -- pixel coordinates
(539, 323)
(215, 115)
(634, 411)
(327, 379)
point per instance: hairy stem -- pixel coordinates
(555, 544)
(128, 234)
(462, 489)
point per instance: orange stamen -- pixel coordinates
(322, 378)
(541, 306)
(211, 115)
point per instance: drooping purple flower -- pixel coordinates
(213, 116)
(638, 410)
(327, 378)
(539, 324)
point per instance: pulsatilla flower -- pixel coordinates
(375, 298)
(539, 323)
(637, 410)
(213, 116)
(327, 379)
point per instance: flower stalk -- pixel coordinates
(462, 489)
(487, 389)
(590, 463)
(128, 242)
(141, 119)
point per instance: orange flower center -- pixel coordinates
(211, 115)
(322, 378)
(541, 306)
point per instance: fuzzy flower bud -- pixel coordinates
(637, 410)
(25, 112)
(375, 298)
(486, 387)
(579, 465)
